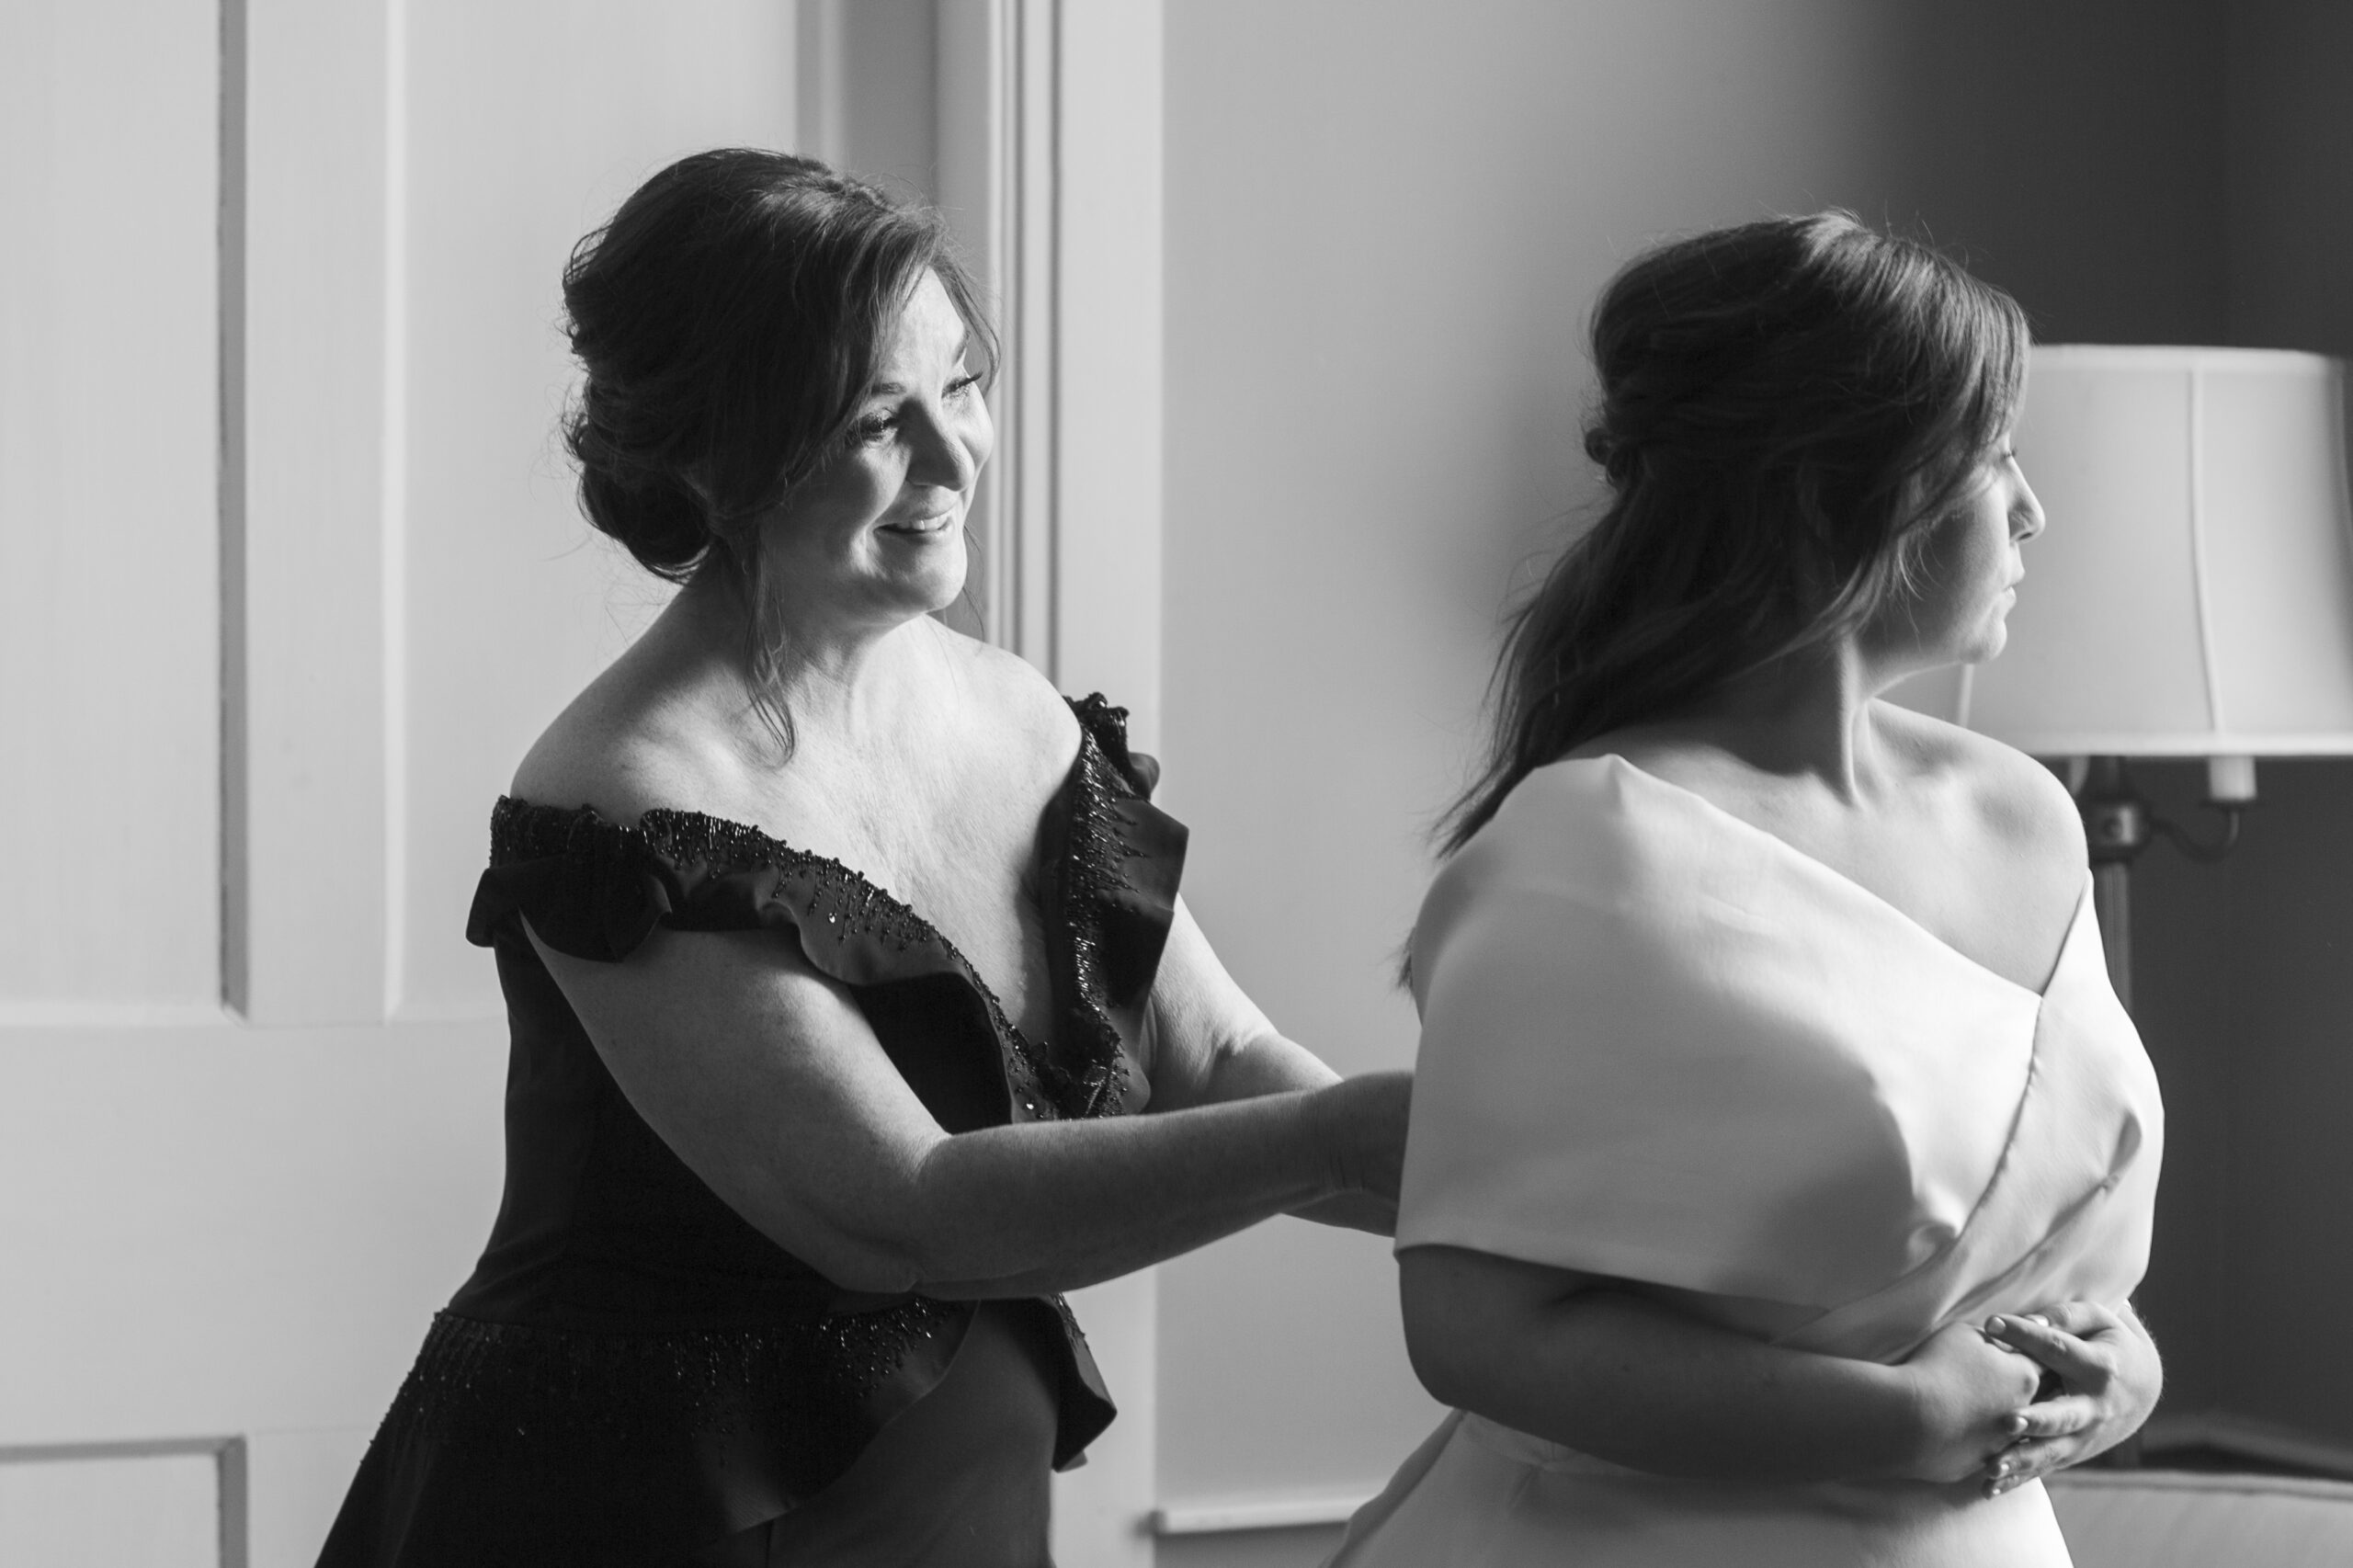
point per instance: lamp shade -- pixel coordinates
(2193, 592)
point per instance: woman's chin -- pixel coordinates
(938, 581)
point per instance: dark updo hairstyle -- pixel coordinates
(728, 319)
(1785, 408)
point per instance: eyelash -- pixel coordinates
(874, 427)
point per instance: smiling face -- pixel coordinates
(1968, 573)
(876, 535)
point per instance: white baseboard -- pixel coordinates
(1217, 1516)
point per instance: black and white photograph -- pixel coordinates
(1176, 784)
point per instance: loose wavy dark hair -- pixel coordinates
(728, 319)
(1785, 408)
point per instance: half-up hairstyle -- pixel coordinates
(728, 319)
(1785, 407)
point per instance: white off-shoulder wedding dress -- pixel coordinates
(1661, 1044)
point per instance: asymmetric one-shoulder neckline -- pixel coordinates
(1849, 887)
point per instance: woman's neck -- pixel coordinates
(845, 680)
(1809, 713)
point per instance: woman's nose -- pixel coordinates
(2026, 518)
(941, 457)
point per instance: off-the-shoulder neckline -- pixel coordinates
(1089, 710)
(775, 850)
(1741, 826)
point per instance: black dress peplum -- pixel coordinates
(634, 1375)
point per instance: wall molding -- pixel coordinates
(1048, 126)
(231, 1470)
(1275, 1511)
(308, 224)
(997, 74)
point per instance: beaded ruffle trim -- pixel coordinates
(1091, 1079)
(1072, 1078)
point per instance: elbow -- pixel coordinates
(874, 1274)
(1440, 1374)
(867, 1264)
(884, 1236)
(868, 1253)
(1436, 1349)
(938, 1241)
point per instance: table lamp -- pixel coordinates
(2191, 597)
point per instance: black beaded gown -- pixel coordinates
(634, 1375)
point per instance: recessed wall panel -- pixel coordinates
(109, 695)
(143, 1511)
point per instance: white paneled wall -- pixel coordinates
(108, 552)
(290, 576)
(273, 654)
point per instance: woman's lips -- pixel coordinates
(923, 527)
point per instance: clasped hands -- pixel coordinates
(2022, 1395)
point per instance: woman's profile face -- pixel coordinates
(1969, 574)
(877, 533)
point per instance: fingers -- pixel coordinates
(2077, 1362)
(2083, 1319)
(2025, 1461)
(2014, 1377)
(2061, 1417)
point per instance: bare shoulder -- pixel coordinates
(625, 746)
(2008, 795)
(1012, 697)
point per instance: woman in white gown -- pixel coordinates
(1780, 1160)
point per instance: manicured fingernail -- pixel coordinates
(1995, 1326)
(2015, 1424)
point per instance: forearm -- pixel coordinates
(1583, 1360)
(1269, 1063)
(1640, 1384)
(1353, 1212)
(1052, 1206)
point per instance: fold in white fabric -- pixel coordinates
(1660, 1044)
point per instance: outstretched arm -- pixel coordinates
(1583, 1361)
(763, 1075)
(1211, 1045)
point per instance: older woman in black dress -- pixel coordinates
(841, 954)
